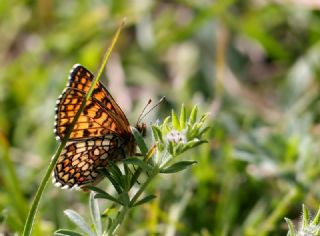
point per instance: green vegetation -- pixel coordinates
(171, 139)
(307, 226)
(254, 65)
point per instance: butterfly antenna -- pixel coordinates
(157, 104)
(145, 107)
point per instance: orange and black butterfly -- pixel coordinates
(101, 134)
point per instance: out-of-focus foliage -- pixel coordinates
(253, 64)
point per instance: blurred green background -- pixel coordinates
(254, 65)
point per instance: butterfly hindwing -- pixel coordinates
(79, 162)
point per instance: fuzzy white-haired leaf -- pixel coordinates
(95, 214)
(79, 221)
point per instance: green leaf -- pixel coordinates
(115, 171)
(140, 142)
(95, 213)
(95, 189)
(66, 232)
(161, 147)
(166, 121)
(193, 115)
(126, 178)
(107, 196)
(316, 218)
(197, 127)
(144, 200)
(204, 117)
(291, 227)
(110, 212)
(136, 161)
(183, 118)
(178, 149)
(305, 217)
(126, 168)
(171, 148)
(157, 134)
(79, 221)
(176, 167)
(193, 143)
(201, 132)
(165, 125)
(175, 121)
(113, 181)
(102, 194)
(124, 198)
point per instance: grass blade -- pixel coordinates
(66, 232)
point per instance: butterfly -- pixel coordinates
(101, 135)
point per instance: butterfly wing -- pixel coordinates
(101, 115)
(80, 161)
(100, 135)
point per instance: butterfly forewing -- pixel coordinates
(94, 121)
(100, 116)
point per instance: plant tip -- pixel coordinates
(124, 21)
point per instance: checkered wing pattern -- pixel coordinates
(101, 115)
(101, 134)
(79, 163)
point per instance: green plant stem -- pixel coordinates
(135, 176)
(138, 172)
(35, 204)
(117, 222)
(123, 212)
(143, 187)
